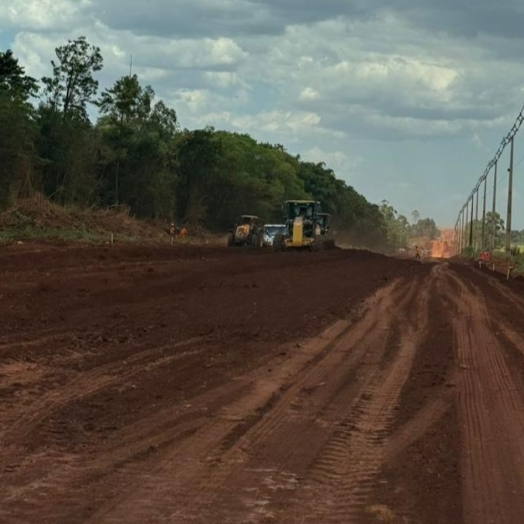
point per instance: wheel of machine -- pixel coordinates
(329, 244)
(278, 242)
(230, 239)
(317, 245)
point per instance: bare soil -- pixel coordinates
(213, 385)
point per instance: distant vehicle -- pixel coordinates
(248, 232)
(269, 232)
(307, 227)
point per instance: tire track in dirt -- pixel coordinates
(153, 432)
(504, 295)
(442, 399)
(346, 472)
(70, 463)
(367, 351)
(86, 385)
(57, 473)
(426, 417)
(193, 489)
(493, 419)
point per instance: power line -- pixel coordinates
(508, 139)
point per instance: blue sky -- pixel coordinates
(406, 100)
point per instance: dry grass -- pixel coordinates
(39, 218)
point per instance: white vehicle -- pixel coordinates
(269, 232)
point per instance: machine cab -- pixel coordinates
(308, 209)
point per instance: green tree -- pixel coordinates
(127, 102)
(67, 157)
(14, 83)
(138, 153)
(17, 130)
(493, 230)
(397, 226)
(72, 85)
(66, 143)
(198, 155)
(351, 213)
(426, 228)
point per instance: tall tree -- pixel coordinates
(65, 143)
(72, 85)
(13, 80)
(426, 228)
(17, 130)
(493, 230)
(198, 156)
(139, 157)
(127, 102)
(397, 226)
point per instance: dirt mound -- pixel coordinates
(38, 217)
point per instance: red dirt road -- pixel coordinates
(215, 385)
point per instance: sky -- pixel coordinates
(406, 100)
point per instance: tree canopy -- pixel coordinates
(135, 153)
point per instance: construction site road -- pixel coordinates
(211, 385)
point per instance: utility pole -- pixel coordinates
(494, 210)
(510, 199)
(471, 225)
(459, 228)
(457, 235)
(462, 230)
(483, 242)
(457, 245)
(476, 229)
(464, 227)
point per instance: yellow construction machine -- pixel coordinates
(248, 232)
(307, 227)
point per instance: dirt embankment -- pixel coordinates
(39, 219)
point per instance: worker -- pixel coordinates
(417, 253)
(172, 229)
(183, 232)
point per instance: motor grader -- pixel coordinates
(247, 232)
(307, 227)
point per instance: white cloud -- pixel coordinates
(223, 79)
(476, 140)
(34, 51)
(270, 123)
(40, 14)
(309, 94)
(345, 165)
(194, 100)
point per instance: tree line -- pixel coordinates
(489, 233)
(136, 154)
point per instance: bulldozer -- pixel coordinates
(248, 232)
(307, 227)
